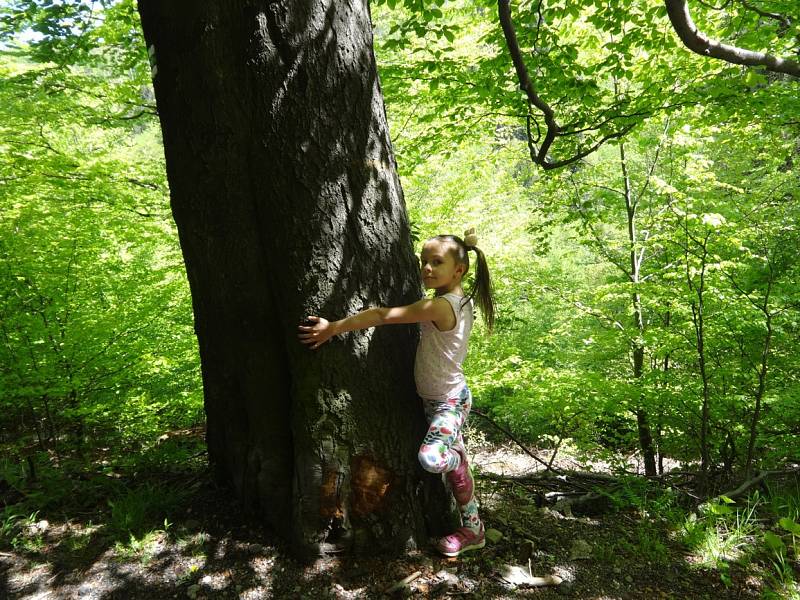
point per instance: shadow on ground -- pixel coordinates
(197, 544)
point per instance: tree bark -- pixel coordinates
(284, 189)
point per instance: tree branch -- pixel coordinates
(698, 42)
(539, 155)
(757, 479)
(525, 83)
(785, 21)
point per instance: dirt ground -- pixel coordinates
(210, 551)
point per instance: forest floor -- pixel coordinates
(207, 549)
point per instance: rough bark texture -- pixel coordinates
(284, 190)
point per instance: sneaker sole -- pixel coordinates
(477, 546)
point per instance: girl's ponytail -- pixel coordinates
(482, 291)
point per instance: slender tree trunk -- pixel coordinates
(660, 429)
(637, 349)
(762, 382)
(284, 189)
(699, 328)
(36, 424)
(698, 321)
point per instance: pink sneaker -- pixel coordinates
(461, 540)
(460, 480)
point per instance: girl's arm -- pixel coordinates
(321, 330)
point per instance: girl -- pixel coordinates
(446, 322)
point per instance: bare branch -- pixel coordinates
(515, 440)
(698, 42)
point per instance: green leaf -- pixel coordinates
(774, 542)
(790, 525)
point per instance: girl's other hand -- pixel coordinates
(315, 332)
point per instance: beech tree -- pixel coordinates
(283, 186)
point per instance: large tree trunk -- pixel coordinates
(284, 190)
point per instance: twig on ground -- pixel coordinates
(402, 583)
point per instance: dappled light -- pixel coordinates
(219, 251)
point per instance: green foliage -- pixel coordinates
(558, 366)
(648, 544)
(721, 533)
(143, 547)
(96, 336)
(12, 523)
(20, 531)
(604, 67)
(97, 353)
(135, 510)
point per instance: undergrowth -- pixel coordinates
(757, 533)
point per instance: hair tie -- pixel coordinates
(470, 238)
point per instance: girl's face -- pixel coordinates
(438, 267)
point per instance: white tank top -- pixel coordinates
(437, 366)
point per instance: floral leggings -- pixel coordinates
(445, 420)
(439, 450)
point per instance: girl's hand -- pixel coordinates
(316, 332)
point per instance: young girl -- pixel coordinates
(446, 322)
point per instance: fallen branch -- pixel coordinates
(565, 505)
(515, 440)
(745, 486)
(515, 576)
(585, 482)
(753, 481)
